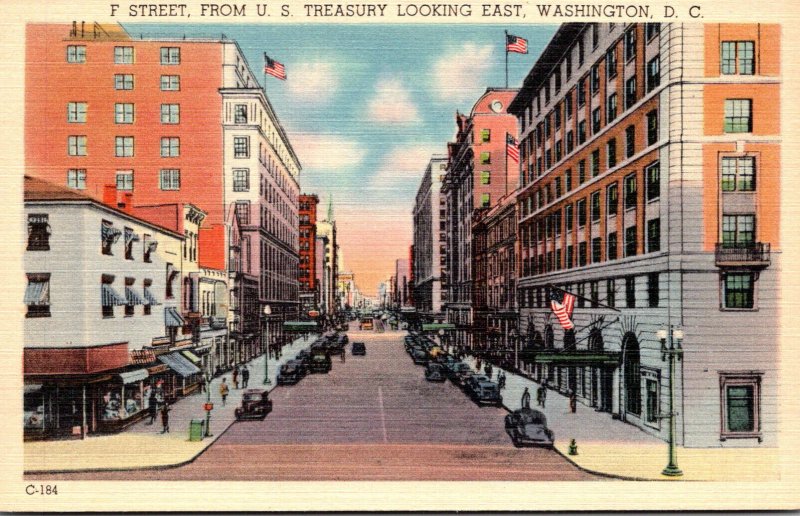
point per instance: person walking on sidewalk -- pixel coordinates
(245, 376)
(526, 399)
(573, 401)
(501, 380)
(223, 391)
(541, 394)
(236, 377)
(165, 418)
(488, 370)
(153, 407)
(344, 354)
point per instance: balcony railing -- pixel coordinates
(753, 254)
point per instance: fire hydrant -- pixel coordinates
(573, 447)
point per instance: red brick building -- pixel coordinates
(307, 275)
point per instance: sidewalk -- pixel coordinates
(614, 448)
(143, 445)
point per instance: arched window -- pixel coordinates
(633, 379)
(596, 340)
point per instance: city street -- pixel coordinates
(371, 418)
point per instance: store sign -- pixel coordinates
(313, 313)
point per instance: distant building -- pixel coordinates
(307, 274)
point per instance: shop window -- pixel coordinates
(37, 295)
(740, 397)
(38, 232)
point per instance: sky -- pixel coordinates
(365, 107)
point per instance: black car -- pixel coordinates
(358, 348)
(526, 426)
(320, 363)
(255, 404)
(485, 392)
(435, 372)
(289, 374)
(420, 357)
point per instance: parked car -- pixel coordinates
(255, 405)
(289, 374)
(486, 393)
(365, 323)
(435, 372)
(459, 373)
(301, 366)
(320, 363)
(305, 357)
(358, 348)
(420, 357)
(526, 426)
(471, 382)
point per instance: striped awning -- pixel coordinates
(191, 356)
(109, 232)
(172, 319)
(133, 376)
(133, 297)
(111, 297)
(179, 364)
(149, 297)
(37, 293)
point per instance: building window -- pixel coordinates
(630, 92)
(595, 206)
(569, 257)
(125, 180)
(123, 81)
(170, 147)
(581, 132)
(581, 258)
(581, 92)
(594, 79)
(653, 74)
(630, 141)
(653, 178)
(548, 159)
(108, 237)
(570, 141)
(170, 83)
(558, 151)
(738, 116)
(652, 399)
(612, 199)
(652, 290)
(741, 404)
(123, 113)
(76, 112)
(76, 178)
(595, 34)
(651, 30)
(630, 292)
(123, 55)
(611, 252)
(611, 62)
(596, 120)
(738, 174)
(76, 53)
(486, 177)
(240, 114)
(630, 241)
(595, 157)
(611, 108)
(123, 146)
(568, 217)
(611, 293)
(486, 135)
(37, 295)
(581, 53)
(76, 145)
(568, 105)
(581, 171)
(241, 147)
(568, 180)
(485, 200)
(170, 113)
(653, 235)
(597, 247)
(652, 127)
(38, 232)
(557, 117)
(243, 212)
(580, 207)
(170, 55)
(630, 191)
(557, 182)
(738, 231)
(611, 152)
(737, 58)
(241, 179)
(170, 179)
(630, 44)
(547, 128)
(738, 290)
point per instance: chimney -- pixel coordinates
(110, 195)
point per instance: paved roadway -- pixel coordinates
(370, 418)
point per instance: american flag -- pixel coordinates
(512, 147)
(562, 304)
(516, 44)
(274, 68)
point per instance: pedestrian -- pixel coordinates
(153, 407)
(488, 369)
(501, 380)
(165, 418)
(236, 377)
(343, 354)
(245, 376)
(223, 391)
(544, 393)
(573, 401)
(526, 398)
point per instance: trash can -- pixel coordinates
(196, 429)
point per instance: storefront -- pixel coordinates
(122, 401)
(185, 377)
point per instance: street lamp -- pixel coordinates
(514, 336)
(208, 406)
(267, 313)
(441, 338)
(674, 353)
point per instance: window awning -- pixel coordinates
(111, 297)
(438, 326)
(32, 387)
(179, 364)
(133, 297)
(172, 319)
(150, 297)
(37, 293)
(584, 357)
(133, 376)
(300, 326)
(191, 356)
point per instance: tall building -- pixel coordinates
(429, 240)
(402, 284)
(173, 121)
(478, 174)
(651, 178)
(326, 228)
(307, 273)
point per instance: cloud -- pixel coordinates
(404, 165)
(313, 82)
(327, 152)
(392, 103)
(461, 73)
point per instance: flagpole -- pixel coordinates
(264, 69)
(601, 328)
(584, 298)
(506, 45)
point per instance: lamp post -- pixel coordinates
(441, 338)
(267, 313)
(208, 406)
(514, 336)
(674, 353)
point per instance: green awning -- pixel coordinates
(300, 326)
(438, 326)
(576, 357)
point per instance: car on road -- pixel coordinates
(255, 405)
(435, 372)
(419, 357)
(459, 373)
(471, 382)
(358, 348)
(365, 323)
(526, 426)
(485, 392)
(289, 373)
(320, 363)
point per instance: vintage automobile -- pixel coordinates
(365, 323)
(320, 363)
(358, 348)
(289, 374)
(526, 426)
(420, 357)
(255, 405)
(471, 382)
(305, 357)
(435, 372)
(485, 392)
